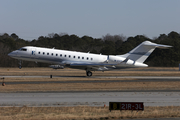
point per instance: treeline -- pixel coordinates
(107, 45)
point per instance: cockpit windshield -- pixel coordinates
(22, 49)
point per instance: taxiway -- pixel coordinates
(89, 98)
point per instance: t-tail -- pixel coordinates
(142, 51)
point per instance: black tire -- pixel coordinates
(89, 73)
(20, 67)
(3, 83)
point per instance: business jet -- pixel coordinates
(87, 61)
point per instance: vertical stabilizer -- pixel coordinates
(142, 51)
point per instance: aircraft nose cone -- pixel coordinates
(11, 54)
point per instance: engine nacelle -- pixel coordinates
(56, 66)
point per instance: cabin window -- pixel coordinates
(69, 56)
(43, 53)
(47, 53)
(39, 52)
(82, 57)
(74, 56)
(91, 58)
(56, 54)
(52, 54)
(60, 55)
(78, 57)
(64, 55)
(87, 58)
(23, 49)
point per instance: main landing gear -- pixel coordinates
(89, 73)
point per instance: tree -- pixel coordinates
(108, 44)
(5, 35)
(14, 36)
(113, 38)
(51, 35)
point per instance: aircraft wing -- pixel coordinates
(92, 66)
(103, 66)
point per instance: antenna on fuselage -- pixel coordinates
(53, 47)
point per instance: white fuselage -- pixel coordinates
(64, 57)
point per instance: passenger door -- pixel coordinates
(33, 53)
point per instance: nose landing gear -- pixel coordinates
(20, 64)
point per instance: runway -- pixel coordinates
(135, 79)
(89, 98)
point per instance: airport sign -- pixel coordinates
(126, 106)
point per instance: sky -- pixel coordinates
(30, 19)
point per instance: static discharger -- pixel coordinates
(126, 106)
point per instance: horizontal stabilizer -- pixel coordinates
(147, 43)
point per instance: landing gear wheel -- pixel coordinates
(20, 64)
(3, 83)
(20, 67)
(89, 73)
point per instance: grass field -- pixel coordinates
(84, 86)
(83, 112)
